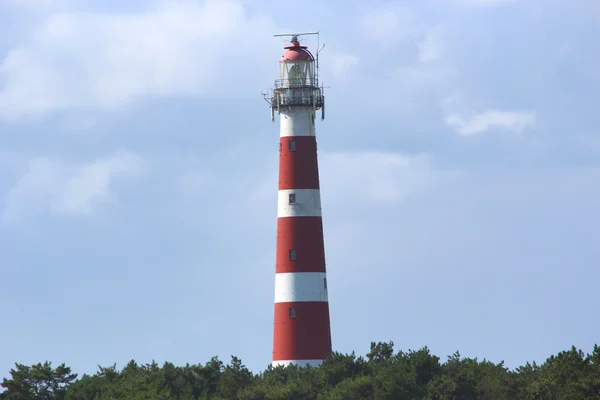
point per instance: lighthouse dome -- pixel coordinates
(295, 52)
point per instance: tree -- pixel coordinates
(381, 375)
(234, 378)
(381, 351)
(38, 382)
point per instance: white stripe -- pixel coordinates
(298, 121)
(300, 287)
(308, 203)
(300, 363)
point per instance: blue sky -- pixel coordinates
(459, 165)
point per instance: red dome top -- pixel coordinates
(295, 52)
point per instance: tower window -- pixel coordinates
(292, 312)
(325, 283)
(292, 198)
(292, 145)
(292, 254)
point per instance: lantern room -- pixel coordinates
(297, 66)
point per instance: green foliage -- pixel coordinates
(39, 382)
(382, 375)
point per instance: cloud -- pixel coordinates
(342, 63)
(33, 4)
(58, 188)
(485, 2)
(104, 60)
(374, 177)
(513, 120)
(430, 48)
(387, 24)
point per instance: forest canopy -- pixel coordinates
(382, 374)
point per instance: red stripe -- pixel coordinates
(298, 169)
(305, 235)
(305, 337)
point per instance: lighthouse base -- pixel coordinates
(299, 363)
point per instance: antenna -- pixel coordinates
(295, 35)
(319, 48)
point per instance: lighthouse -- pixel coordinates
(301, 330)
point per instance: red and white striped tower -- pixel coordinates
(301, 333)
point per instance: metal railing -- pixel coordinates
(291, 83)
(300, 100)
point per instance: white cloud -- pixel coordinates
(485, 2)
(430, 48)
(109, 60)
(414, 77)
(55, 187)
(512, 120)
(79, 123)
(374, 176)
(341, 64)
(386, 24)
(33, 4)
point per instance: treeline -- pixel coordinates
(382, 374)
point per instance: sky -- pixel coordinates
(459, 162)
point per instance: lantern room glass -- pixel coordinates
(297, 73)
